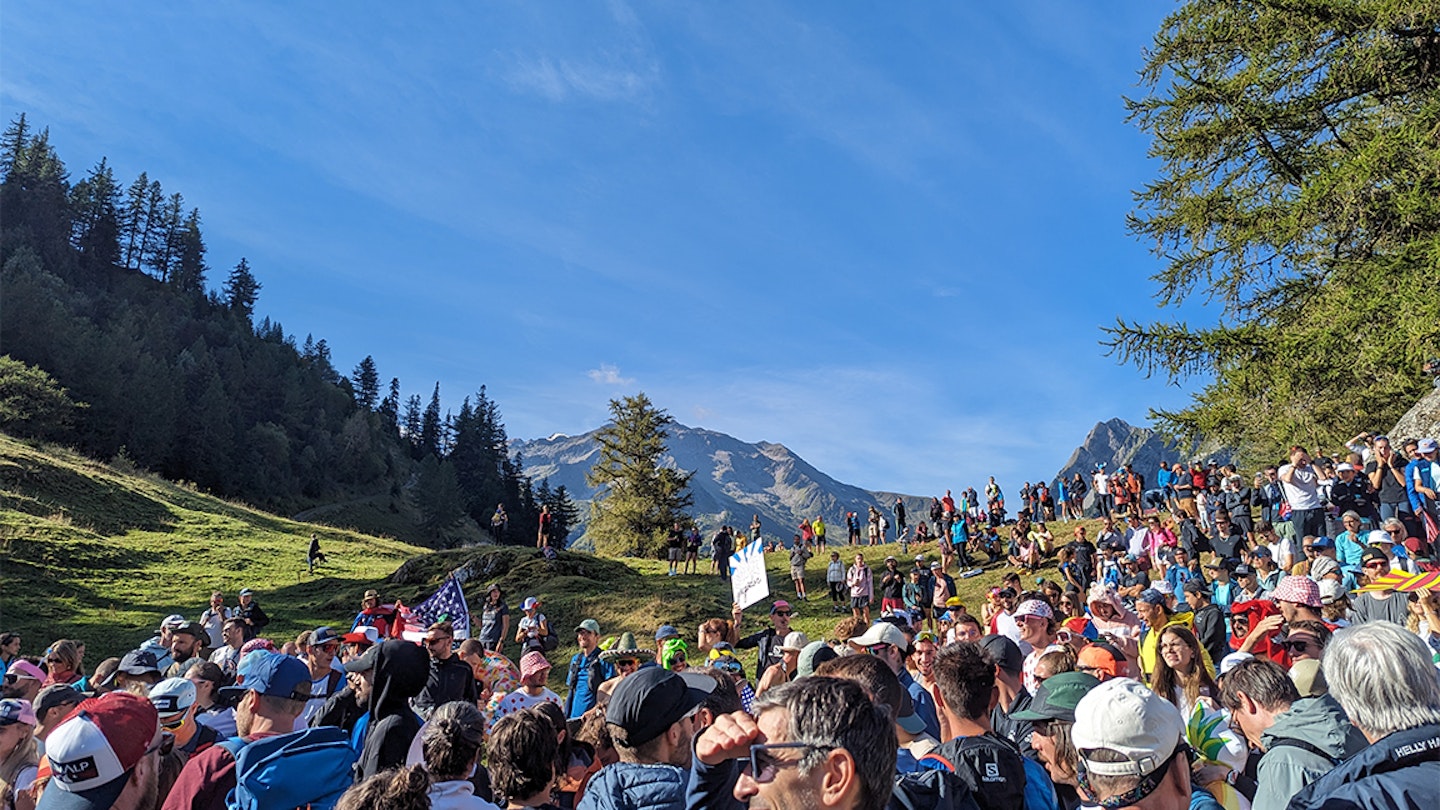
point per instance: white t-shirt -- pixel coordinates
(1102, 484)
(1303, 488)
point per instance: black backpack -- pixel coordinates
(930, 790)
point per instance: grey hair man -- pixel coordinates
(1384, 678)
(1302, 738)
(816, 742)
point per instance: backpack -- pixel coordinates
(931, 790)
(309, 768)
(988, 764)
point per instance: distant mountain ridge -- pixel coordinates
(733, 481)
(1116, 443)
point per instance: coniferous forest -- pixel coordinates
(108, 289)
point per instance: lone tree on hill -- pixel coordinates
(638, 498)
(1299, 193)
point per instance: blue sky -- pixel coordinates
(884, 235)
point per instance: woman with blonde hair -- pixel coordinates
(62, 663)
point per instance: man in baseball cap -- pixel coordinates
(174, 699)
(1102, 660)
(1130, 744)
(187, 647)
(270, 691)
(137, 670)
(107, 747)
(651, 720)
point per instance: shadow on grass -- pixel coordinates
(38, 487)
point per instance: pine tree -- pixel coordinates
(242, 290)
(13, 144)
(367, 383)
(639, 498)
(437, 496)
(430, 433)
(411, 423)
(168, 237)
(390, 408)
(95, 206)
(1299, 196)
(132, 222)
(189, 265)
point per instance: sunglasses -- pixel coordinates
(764, 767)
(731, 666)
(785, 613)
(1299, 646)
(54, 660)
(927, 636)
(878, 649)
(439, 640)
(627, 662)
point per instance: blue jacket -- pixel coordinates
(631, 786)
(1400, 770)
(1420, 467)
(924, 703)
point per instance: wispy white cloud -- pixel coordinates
(608, 374)
(561, 79)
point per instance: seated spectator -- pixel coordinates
(1302, 738)
(1384, 678)
(1183, 673)
(1130, 742)
(814, 743)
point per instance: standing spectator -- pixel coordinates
(888, 643)
(799, 554)
(449, 678)
(9, 650)
(494, 620)
(692, 551)
(523, 756)
(587, 670)
(1386, 472)
(23, 681)
(451, 745)
(1130, 742)
(766, 641)
(399, 671)
(1422, 478)
(187, 647)
(52, 705)
(1270, 495)
(271, 690)
(19, 758)
(213, 620)
(722, 546)
(534, 672)
(250, 612)
(830, 722)
(106, 754)
(650, 721)
(209, 711)
(1301, 483)
(755, 526)
(1104, 501)
(1301, 739)
(546, 528)
(158, 645)
(835, 579)
(988, 764)
(235, 633)
(675, 548)
(499, 522)
(174, 699)
(1384, 679)
(533, 627)
(862, 589)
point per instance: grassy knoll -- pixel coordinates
(101, 554)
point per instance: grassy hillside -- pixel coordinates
(99, 554)
(92, 552)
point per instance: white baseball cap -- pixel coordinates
(172, 696)
(1124, 716)
(795, 641)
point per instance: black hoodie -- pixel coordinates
(401, 669)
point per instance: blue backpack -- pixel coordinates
(306, 769)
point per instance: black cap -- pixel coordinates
(1243, 570)
(1372, 553)
(194, 630)
(653, 699)
(139, 662)
(1196, 585)
(1004, 652)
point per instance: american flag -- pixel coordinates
(447, 604)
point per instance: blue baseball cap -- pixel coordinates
(1322, 542)
(666, 631)
(271, 673)
(1151, 596)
